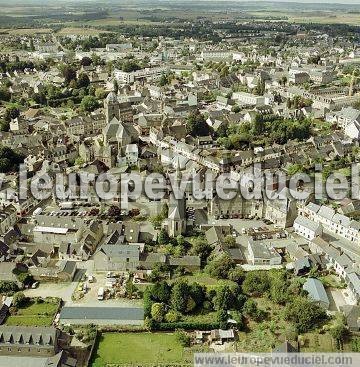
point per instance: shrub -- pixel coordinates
(183, 338)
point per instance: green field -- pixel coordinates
(137, 349)
(34, 314)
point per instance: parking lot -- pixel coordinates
(90, 296)
(60, 290)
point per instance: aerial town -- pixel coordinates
(121, 138)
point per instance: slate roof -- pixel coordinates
(120, 251)
(19, 335)
(316, 290)
(102, 313)
(307, 223)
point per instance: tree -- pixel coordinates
(251, 310)
(116, 86)
(339, 330)
(158, 311)
(279, 286)
(100, 93)
(89, 103)
(130, 289)
(69, 73)
(256, 282)
(230, 241)
(220, 266)
(179, 296)
(5, 95)
(156, 221)
(9, 159)
(83, 81)
(258, 125)
(114, 211)
(86, 61)
(19, 299)
(130, 65)
(147, 301)
(196, 125)
(304, 314)
(237, 275)
(161, 292)
(11, 112)
(164, 210)
(8, 287)
(222, 318)
(163, 80)
(163, 237)
(236, 109)
(4, 125)
(201, 247)
(197, 293)
(180, 240)
(24, 277)
(224, 298)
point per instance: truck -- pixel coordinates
(101, 294)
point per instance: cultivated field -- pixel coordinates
(80, 31)
(27, 31)
(310, 17)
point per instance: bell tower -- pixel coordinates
(112, 107)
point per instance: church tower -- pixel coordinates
(112, 107)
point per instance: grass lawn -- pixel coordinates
(34, 314)
(200, 317)
(138, 348)
(206, 280)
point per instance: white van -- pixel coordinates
(101, 294)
